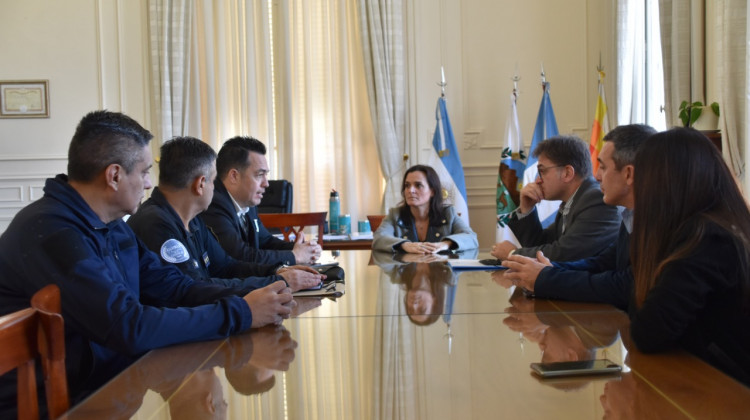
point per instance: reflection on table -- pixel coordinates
(188, 381)
(413, 340)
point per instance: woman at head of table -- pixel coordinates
(690, 251)
(422, 223)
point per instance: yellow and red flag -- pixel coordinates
(601, 125)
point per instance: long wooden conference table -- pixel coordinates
(415, 340)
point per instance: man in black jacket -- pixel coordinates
(606, 277)
(168, 225)
(242, 171)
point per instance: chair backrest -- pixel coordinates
(375, 221)
(294, 222)
(52, 348)
(32, 332)
(278, 197)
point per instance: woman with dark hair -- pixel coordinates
(422, 223)
(690, 253)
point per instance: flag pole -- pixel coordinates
(544, 77)
(442, 82)
(545, 84)
(443, 151)
(515, 80)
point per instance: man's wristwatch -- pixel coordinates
(281, 267)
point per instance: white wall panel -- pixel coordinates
(93, 52)
(22, 182)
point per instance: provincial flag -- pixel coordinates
(510, 175)
(546, 127)
(600, 127)
(447, 163)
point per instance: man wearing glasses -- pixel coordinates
(584, 225)
(606, 277)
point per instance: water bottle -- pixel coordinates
(334, 208)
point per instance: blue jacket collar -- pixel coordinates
(59, 189)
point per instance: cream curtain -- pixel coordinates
(169, 37)
(732, 62)
(211, 69)
(685, 52)
(291, 76)
(682, 38)
(230, 86)
(325, 135)
(383, 42)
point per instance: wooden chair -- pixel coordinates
(294, 222)
(52, 348)
(32, 332)
(375, 221)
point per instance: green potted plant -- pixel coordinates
(691, 111)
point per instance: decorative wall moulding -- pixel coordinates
(471, 139)
(11, 194)
(24, 99)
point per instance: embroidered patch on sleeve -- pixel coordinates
(173, 251)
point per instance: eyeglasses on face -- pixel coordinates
(541, 170)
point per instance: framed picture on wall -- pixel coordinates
(24, 99)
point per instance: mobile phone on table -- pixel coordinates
(581, 367)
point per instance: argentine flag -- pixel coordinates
(546, 127)
(447, 163)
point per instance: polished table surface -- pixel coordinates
(417, 341)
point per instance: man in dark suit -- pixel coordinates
(606, 277)
(167, 223)
(242, 171)
(583, 227)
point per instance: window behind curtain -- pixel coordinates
(324, 138)
(289, 73)
(640, 75)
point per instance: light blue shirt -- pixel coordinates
(627, 218)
